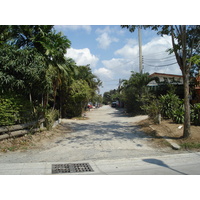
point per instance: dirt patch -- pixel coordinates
(31, 141)
(172, 131)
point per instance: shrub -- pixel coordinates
(50, 117)
(170, 103)
(195, 114)
(178, 114)
(14, 109)
(152, 106)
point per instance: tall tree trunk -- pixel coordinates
(186, 130)
(181, 58)
(186, 82)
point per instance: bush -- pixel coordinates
(195, 114)
(50, 117)
(170, 107)
(178, 114)
(14, 109)
(152, 106)
(170, 103)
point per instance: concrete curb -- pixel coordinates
(174, 145)
(174, 164)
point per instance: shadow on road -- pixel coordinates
(161, 163)
(107, 131)
(119, 112)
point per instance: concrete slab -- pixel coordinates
(179, 164)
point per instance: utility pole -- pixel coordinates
(140, 50)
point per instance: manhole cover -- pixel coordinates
(71, 168)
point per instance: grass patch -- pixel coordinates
(13, 148)
(80, 118)
(190, 145)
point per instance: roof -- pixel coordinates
(164, 75)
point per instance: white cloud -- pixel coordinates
(157, 44)
(130, 50)
(154, 55)
(106, 37)
(121, 68)
(82, 57)
(105, 40)
(103, 73)
(113, 63)
(156, 59)
(87, 28)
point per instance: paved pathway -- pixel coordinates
(108, 134)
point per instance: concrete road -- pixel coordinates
(110, 141)
(107, 134)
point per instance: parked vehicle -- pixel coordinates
(90, 106)
(114, 104)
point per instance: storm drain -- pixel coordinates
(71, 168)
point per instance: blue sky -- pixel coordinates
(113, 52)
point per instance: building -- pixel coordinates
(163, 79)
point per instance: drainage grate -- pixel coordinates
(71, 168)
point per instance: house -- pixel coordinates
(164, 79)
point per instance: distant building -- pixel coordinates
(164, 79)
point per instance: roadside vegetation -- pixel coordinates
(37, 81)
(165, 102)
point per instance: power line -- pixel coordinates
(157, 53)
(160, 65)
(161, 59)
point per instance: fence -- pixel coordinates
(22, 129)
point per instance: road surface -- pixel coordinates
(110, 141)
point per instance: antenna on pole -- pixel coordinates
(140, 50)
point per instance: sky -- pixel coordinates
(113, 52)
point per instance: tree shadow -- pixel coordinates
(119, 112)
(106, 131)
(162, 164)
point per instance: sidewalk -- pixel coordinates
(177, 164)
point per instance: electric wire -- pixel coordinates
(157, 53)
(159, 59)
(160, 65)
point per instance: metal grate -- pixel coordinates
(71, 168)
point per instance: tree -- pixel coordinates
(80, 89)
(133, 90)
(38, 42)
(185, 41)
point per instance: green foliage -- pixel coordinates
(152, 106)
(195, 114)
(195, 59)
(178, 114)
(8, 112)
(80, 94)
(170, 107)
(109, 97)
(133, 90)
(190, 145)
(21, 70)
(170, 102)
(50, 117)
(33, 64)
(81, 89)
(14, 109)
